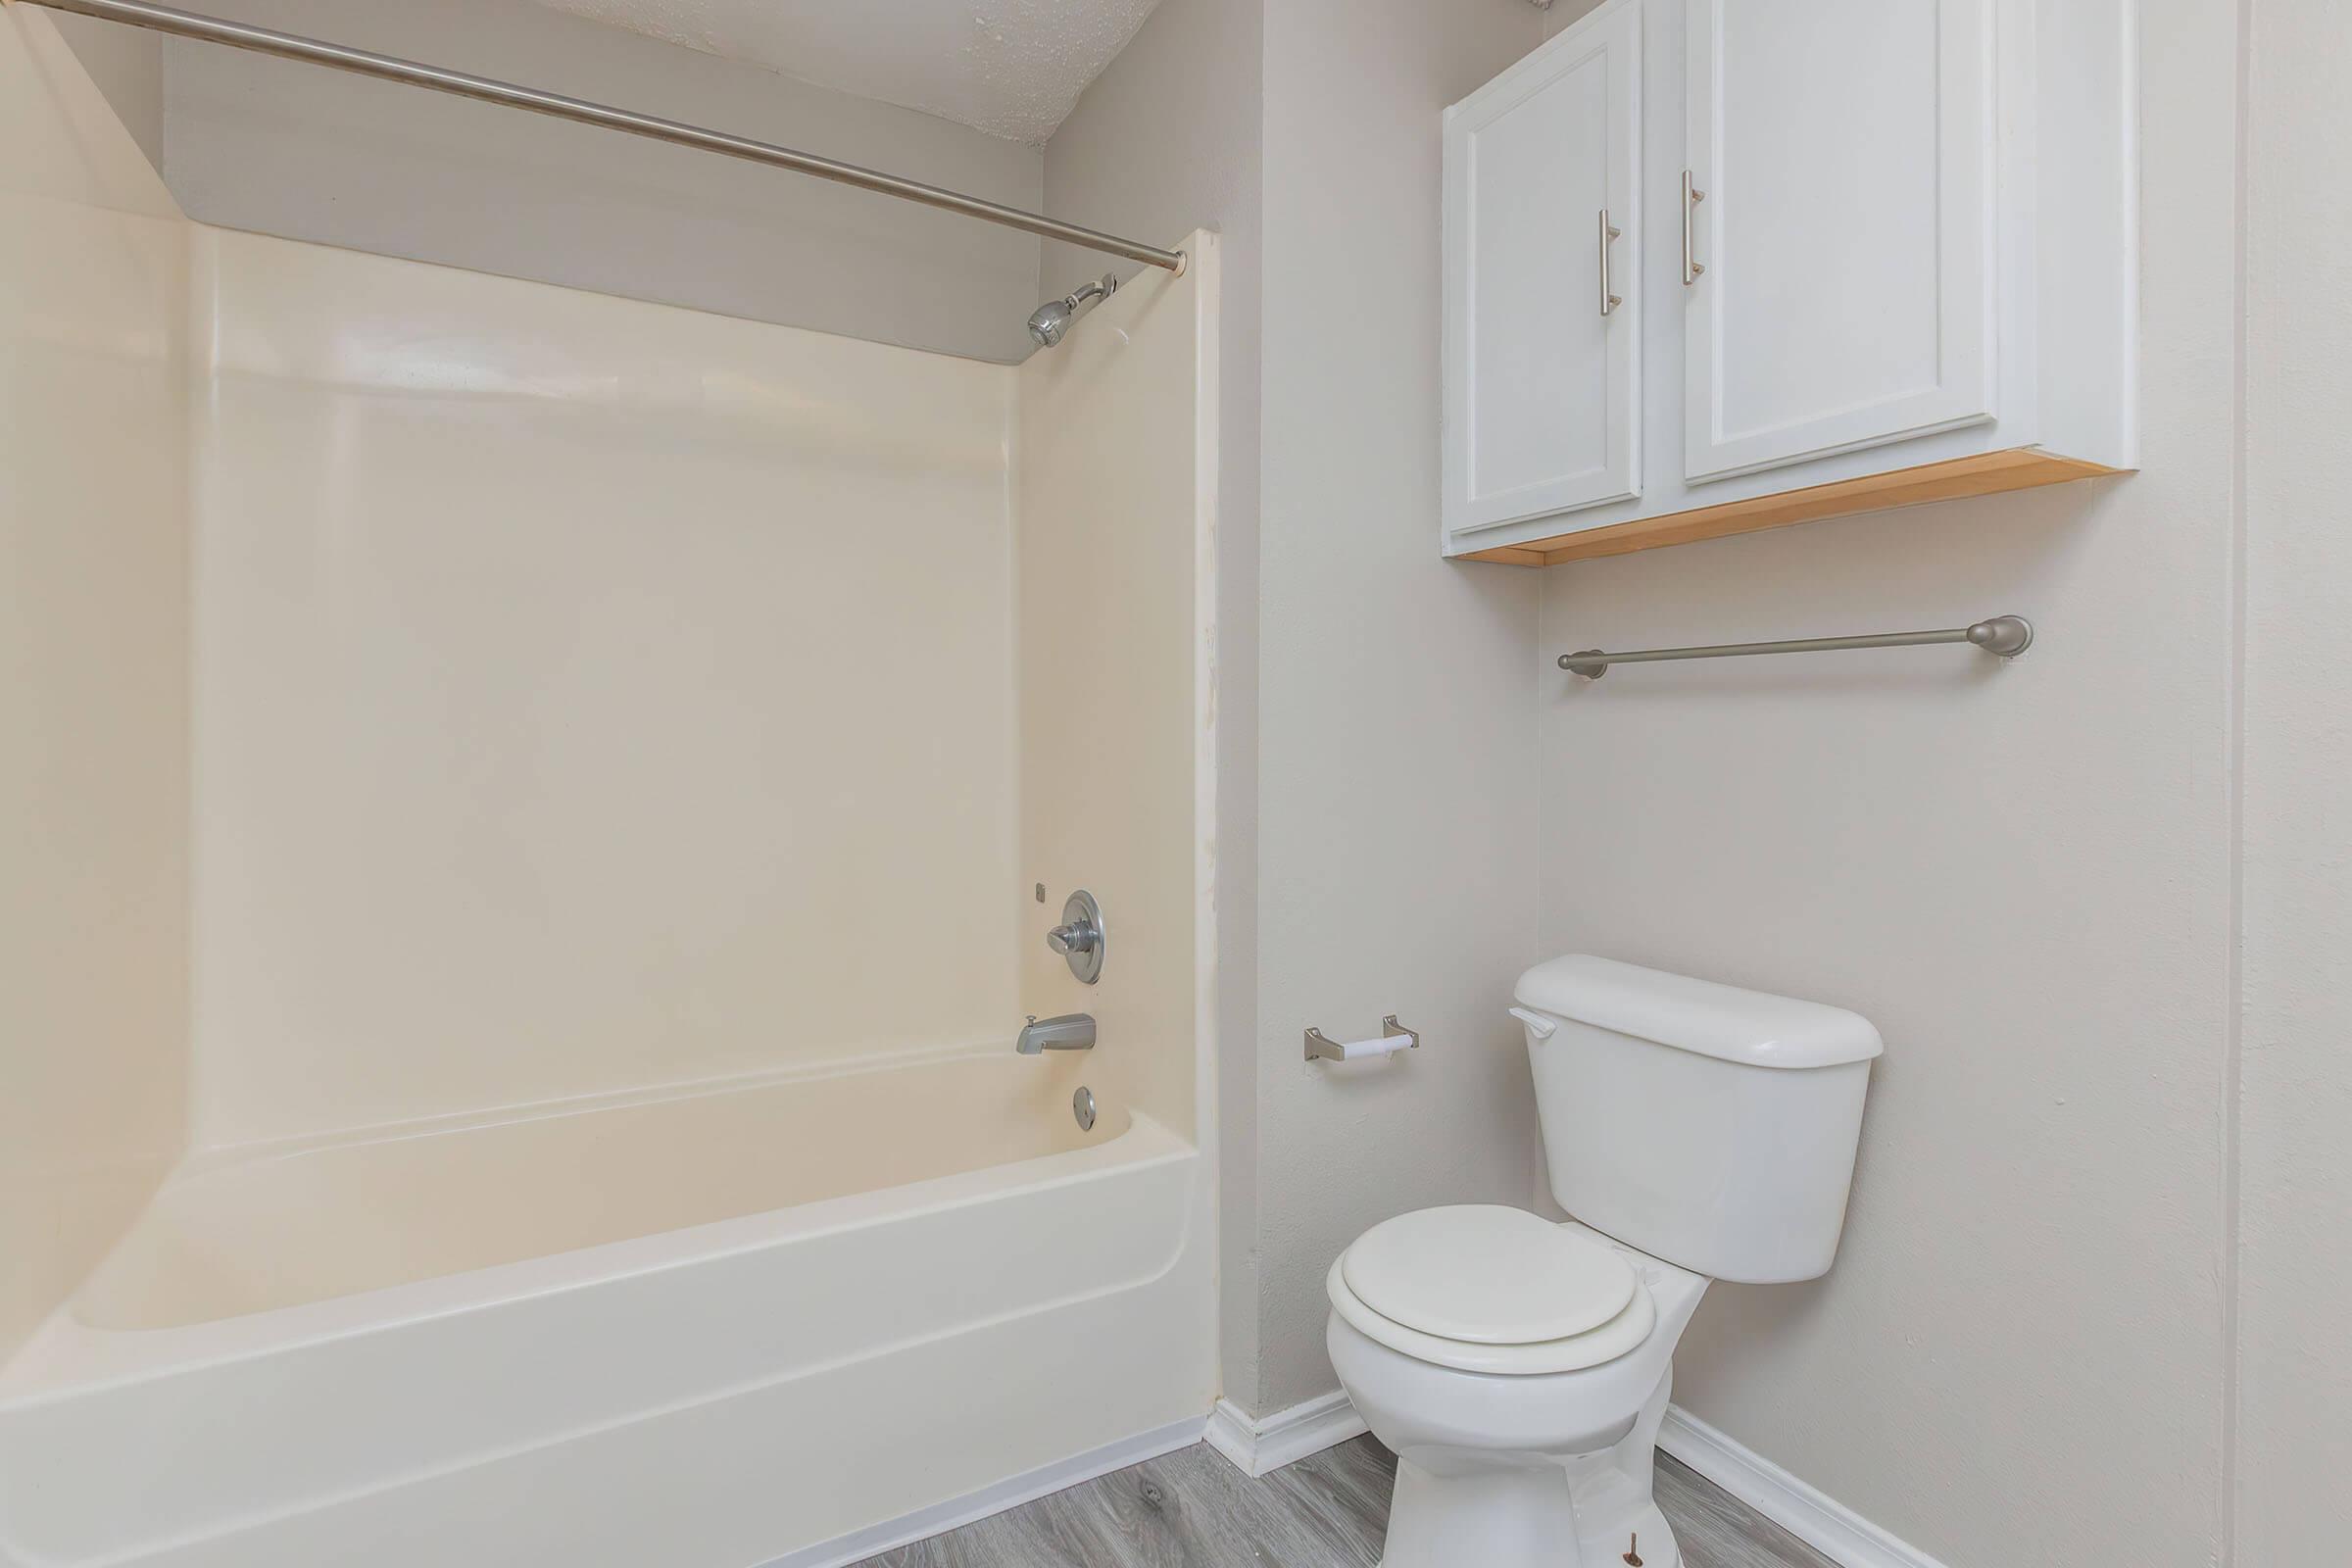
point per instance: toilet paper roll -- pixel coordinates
(1358, 1049)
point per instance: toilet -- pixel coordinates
(1518, 1367)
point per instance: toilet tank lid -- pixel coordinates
(1753, 1027)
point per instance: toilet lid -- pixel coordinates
(1486, 1274)
(1620, 1336)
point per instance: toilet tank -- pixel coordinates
(1709, 1126)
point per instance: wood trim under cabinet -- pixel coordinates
(1984, 474)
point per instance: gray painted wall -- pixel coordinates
(2295, 1193)
(285, 149)
(1396, 750)
(126, 64)
(2170, 1023)
(2029, 1350)
(2024, 876)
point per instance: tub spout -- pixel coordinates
(1072, 1031)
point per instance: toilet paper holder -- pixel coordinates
(1393, 1037)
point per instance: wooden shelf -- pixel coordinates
(1987, 473)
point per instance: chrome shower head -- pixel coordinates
(1052, 319)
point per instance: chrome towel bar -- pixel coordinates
(2006, 636)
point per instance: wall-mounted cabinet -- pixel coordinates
(1549, 353)
(1714, 265)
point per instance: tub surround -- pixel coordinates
(571, 714)
(94, 701)
(447, 1209)
(268, 1229)
(1117, 532)
(578, 685)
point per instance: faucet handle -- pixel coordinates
(1080, 938)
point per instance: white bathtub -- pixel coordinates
(790, 1320)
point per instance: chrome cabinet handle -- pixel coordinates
(1609, 301)
(1692, 197)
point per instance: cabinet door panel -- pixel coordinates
(1541, 397)
(1841, 291)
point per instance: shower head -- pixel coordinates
(1052, 319)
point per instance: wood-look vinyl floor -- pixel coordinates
(1193, 1510)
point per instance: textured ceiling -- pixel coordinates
(1011, 67)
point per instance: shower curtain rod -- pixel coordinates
(388, 67)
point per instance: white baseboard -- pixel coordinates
(1027, 1486)
(1820, 1521)
(1260, 1443)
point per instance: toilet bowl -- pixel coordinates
(1511, 1449)
(1520, 1368)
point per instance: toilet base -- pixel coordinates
(1524, 1516)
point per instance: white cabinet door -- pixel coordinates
(1838, 258)
(1542, 267)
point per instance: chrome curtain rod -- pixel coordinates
(2006, 636)
(388, 67)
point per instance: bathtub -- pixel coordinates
(789, 1321)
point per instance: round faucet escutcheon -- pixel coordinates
(1080, 938)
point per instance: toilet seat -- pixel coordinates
(1482, 1287)
(1487, 1274)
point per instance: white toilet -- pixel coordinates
(1520, 1368)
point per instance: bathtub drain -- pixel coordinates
(1082, 1106)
